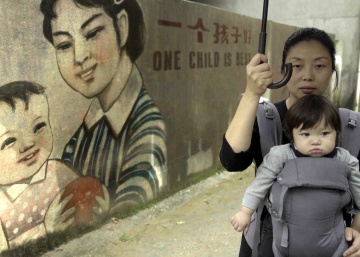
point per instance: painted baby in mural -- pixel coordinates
(122, 138)
(31, 185)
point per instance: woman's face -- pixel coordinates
(86, 47)
(312, 69)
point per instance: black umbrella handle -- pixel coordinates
(262, 46)
(262, 36)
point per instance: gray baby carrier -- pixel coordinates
(294, 192)
(306, 205)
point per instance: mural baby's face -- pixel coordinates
(86, 47)
(25, 139)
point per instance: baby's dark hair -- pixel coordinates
(19, 90)
(308, 111)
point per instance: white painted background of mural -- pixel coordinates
(27, 55)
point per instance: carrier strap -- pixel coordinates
(270, 128)
(285, 232)
(277, 213)
(350, 136)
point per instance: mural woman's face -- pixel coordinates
(25, 139)
(86, 47)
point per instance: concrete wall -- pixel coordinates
(193, 68)
(340, 18)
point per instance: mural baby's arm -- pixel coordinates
(101, 210)
(56, 219)
(4, 244)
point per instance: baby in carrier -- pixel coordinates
(309, 183)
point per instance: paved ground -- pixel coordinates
(195, 222)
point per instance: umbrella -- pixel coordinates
(262, 44)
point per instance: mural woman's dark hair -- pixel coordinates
(136, 40)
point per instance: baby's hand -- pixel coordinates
(241, 221)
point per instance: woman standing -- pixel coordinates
(312, 54)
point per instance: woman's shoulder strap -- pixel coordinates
(270, 129)
(350, 136)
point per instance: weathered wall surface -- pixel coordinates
(340, 18)
(193, 67)
(194, 64)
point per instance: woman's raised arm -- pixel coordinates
(258, 77)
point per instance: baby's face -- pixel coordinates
(315, 142)
(25, 139)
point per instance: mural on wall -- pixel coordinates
(122, 138)
(115, 160)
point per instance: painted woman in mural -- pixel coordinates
(31, 185)
(122, 138)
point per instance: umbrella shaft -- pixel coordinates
(264, 16)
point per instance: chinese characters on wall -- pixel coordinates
(215, 33)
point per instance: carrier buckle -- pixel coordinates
(352, 123)
(269, 113)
